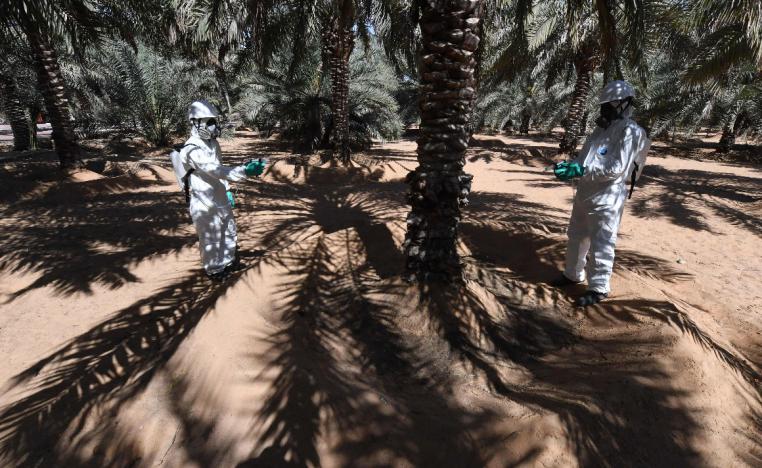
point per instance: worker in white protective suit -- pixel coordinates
(206, 182)
(613, 155)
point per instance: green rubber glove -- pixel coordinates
(567, 170)
(255, 167)
(231, 200)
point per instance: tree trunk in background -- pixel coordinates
(583, 124)
(54, 94)
(14, 109)
(729, 135)
(585, 63)
(526, 118)
(438, 186)
(338, 42)
(221, 76)
(34, 111)
(727, 140)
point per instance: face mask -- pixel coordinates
(210, 130)
(611, 111)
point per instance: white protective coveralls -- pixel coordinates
(609, 156)
(209, 206)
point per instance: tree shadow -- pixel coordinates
(684, 196)
(113, 362)
(96, 373)
(617, 404)
(342, 365)
(673, 316)
(252, 147)
(25, 175)
(614, 400)
(310, 382)
(669, 314)
(80, 235)
(489, 149)
(340, 355)
(754, 422)
(515, 210)
(523, 237)
(295, 213)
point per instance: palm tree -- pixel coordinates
(731, 35)
(53, 91)
(734, 103)
(41, 21)
(579, 38)
(14, 110)
(213, 31)
(150, 90)
(726, 99)
(438, 186)
(341, 21)
(296, 101)
(11, 100)
(337, 24)
(338, 43)
(216, 27)
(586, 61)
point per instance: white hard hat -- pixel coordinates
(202, 109)
(615, 91)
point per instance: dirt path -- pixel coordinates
(119, 352)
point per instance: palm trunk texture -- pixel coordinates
(727, 140)
(585, 64)
(439, 187)
(526, 118)
(34, 111)
(222, 82)
(14, 109)
(338, 42)
(54, 94)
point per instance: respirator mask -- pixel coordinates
(209, 130)
(611, 111)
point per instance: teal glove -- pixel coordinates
(255, 167)
(566, 170)
(231, 200)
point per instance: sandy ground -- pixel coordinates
(117, 351)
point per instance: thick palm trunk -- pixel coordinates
(526, 118)
(727, 140)
(14, 110)
(54, 94)
(438, 186)
(338, 42)
(585, 64)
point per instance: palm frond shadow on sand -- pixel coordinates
(340, 352)
(367, 362)
(98, 372)
(78, 235)
(683, 196)
(387, 370)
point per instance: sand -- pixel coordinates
(117, 351)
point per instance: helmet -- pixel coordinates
(616, 91)
(202, 109)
